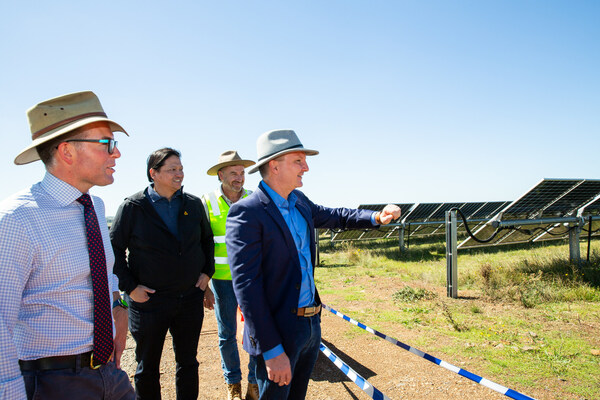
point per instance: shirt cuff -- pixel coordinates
(274, 352)
(373, 221)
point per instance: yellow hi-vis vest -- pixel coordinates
(217, 213)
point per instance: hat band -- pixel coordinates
(58, 124)
(279, 151)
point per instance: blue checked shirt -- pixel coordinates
(46, 298)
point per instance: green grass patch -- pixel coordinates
(526, 317)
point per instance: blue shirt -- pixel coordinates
(46, 295)
(167, 210)
(299, 230)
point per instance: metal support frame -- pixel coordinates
(401, 238)
(576, 223)
(451, 255)
(574, 250)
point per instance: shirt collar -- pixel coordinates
(60, 190)
(154, 196)
(229, 202)
(279, 200)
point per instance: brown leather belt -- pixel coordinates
(308, 311)
(59, 362)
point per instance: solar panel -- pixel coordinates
(468, 209)
(490, 209)
(440, 213)
(404, 207)
(593, 208)
(550, 198)
(421, 212)
(578, 196)
(535, 199)
(369, 234)
(420, 230)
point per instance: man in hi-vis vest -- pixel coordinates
(230, 171)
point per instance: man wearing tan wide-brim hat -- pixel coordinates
(230, 169)
(59, 297)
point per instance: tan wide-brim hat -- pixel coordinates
(230, 157)
(60, 115)
(273, 144)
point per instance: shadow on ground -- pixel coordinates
(325, 370)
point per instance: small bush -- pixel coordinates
(410, 294)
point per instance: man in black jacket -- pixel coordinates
(165, 272)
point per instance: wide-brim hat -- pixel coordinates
(230, 157)
(60, 115)
(273, 144)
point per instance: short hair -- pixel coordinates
(157, 159)
(264, 170)
(47, 150)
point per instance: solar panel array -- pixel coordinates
(421, 219)
(543, 206)
(365, 234)
(549, 199)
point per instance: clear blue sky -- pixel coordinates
(407, 101)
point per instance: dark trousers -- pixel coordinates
(149, 323)
(302, 360)
(106, 382)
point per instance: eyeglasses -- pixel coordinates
(112, 144)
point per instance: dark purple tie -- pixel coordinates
(103, 338)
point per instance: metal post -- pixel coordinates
(451, 255)
(401, 238)
(574, 253)
(589, 238)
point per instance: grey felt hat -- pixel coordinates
(273, 144)
(60, 115)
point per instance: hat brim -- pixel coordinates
(214, 169)
(308, 152)
(29, 154)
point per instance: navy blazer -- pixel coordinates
(265, 267)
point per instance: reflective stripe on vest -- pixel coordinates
(217, 211)
(213, 196)
(221, 260)
(219, 239)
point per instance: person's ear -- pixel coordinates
(65, 152)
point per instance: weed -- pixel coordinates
(408, 294)
(455, 324)
(476, 309)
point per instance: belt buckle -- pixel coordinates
(310, 311)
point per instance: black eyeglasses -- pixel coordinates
(112, 143)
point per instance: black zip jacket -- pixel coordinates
(147, 253)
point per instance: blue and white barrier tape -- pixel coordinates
(487, 383)
(353, 375)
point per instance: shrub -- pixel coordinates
(408, 293)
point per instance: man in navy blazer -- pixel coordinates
(271, 249)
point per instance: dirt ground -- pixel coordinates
(394, 371)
